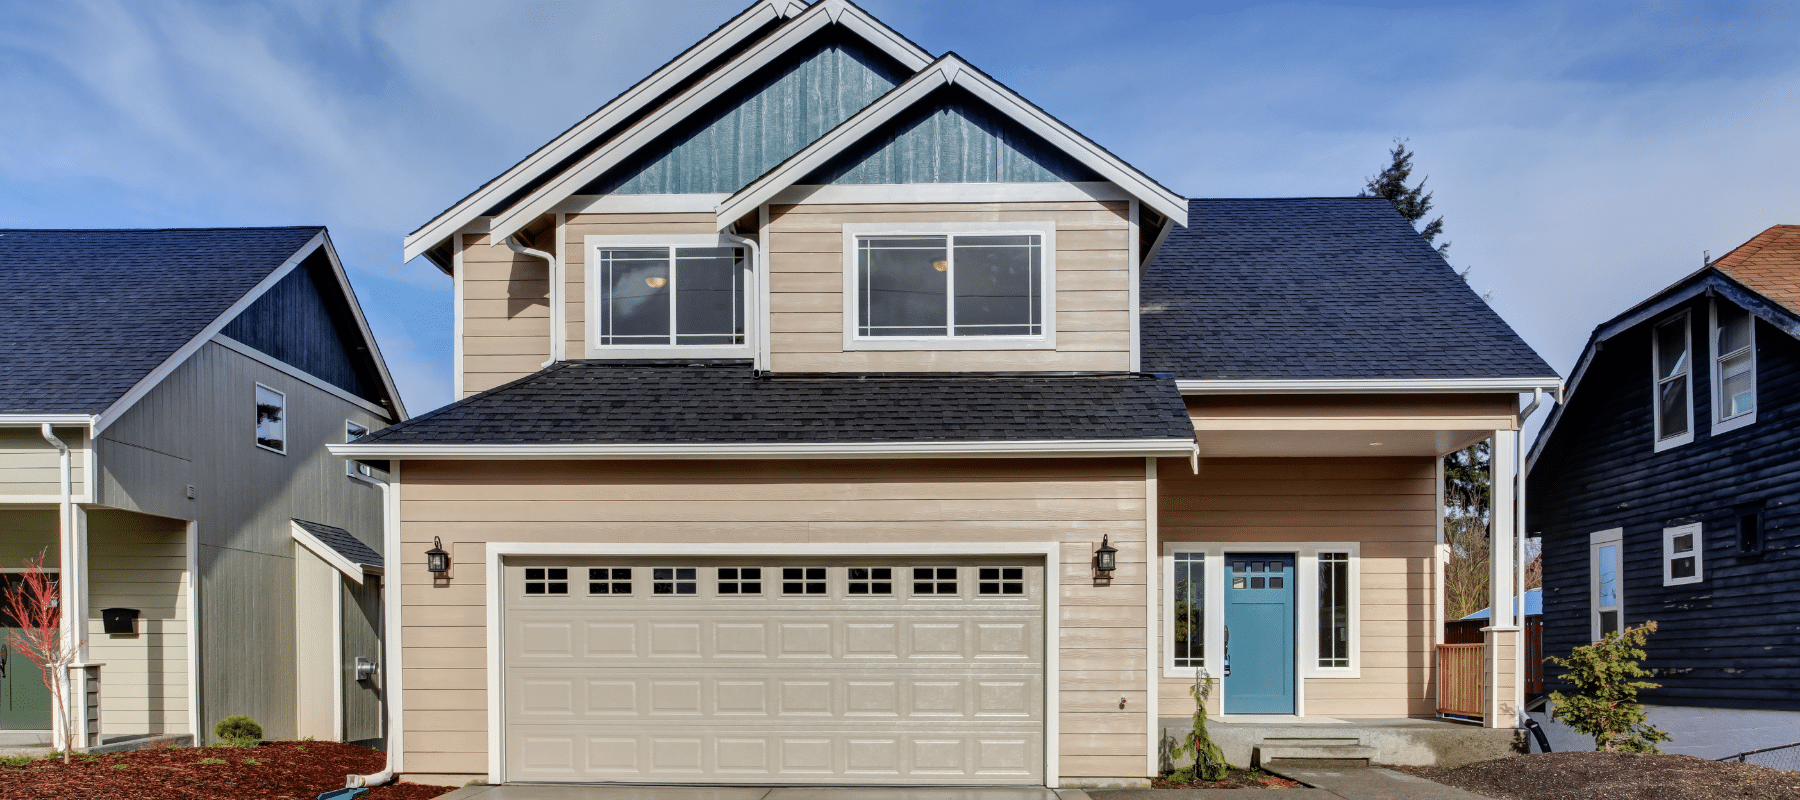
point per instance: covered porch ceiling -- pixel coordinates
(1346, 426)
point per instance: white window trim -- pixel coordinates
(1656, 381)
(1720, 422)
(1045, 229)
(1306, 610)
(284, 420)
(1597, 540)
(591, 245)
(1668, 554)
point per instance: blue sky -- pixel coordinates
(1582, 154)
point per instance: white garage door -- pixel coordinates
(828, 671)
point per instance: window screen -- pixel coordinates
(659, 296)
(950, 285)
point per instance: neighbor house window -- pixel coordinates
(1606, 588)
(1681, 555)
(1674, 399)
(960, 288)
(356, 469)
(1187, 595)
(668, 296)
(1749, 529)
(1334, 610)
(271, 419)
(1734, 367)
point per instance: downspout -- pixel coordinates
(1537, 398)
(390, 629)
(755, 287)
(554, 270)
(70, 579)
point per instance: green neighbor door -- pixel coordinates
(1259, 626)
(24, 701)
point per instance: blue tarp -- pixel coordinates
(1534, 604)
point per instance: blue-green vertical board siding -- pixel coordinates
(952, 138)
(294, 322)
(773, 116)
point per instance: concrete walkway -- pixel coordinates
(1372, 783)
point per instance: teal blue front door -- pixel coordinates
(1259, 631)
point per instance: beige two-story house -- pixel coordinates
(831, 414)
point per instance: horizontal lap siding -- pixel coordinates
(1387, 504)
(576, 227)
(132, 563)
(32, 467)
(1075, 502)
(1092, 281)
(505, 314)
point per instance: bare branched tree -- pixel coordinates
(1466, 516)
(34, 606)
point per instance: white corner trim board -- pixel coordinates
(1095, 448)
(951, 70)
(1549, 383)
(691, 100)
(497, 553)
(632, 100)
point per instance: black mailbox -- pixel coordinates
(119, 620)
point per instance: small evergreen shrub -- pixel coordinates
(1606, 704)
(239, 730)
(1209, 761)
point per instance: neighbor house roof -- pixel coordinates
(728, 403)
(1339, 288)
(87, 314)
(342, 542)
(1768, 264)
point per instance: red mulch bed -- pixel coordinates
(1587, 775)
(272, 771)
(1235, 779)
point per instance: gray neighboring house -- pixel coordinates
(166, 397)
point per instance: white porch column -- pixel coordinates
(1503, 635)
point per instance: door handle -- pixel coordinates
(5, 654)
(1227, 652)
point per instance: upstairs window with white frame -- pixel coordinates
(271, 419)
(1682, 546)
(1734, 367)
(978, 288)
(686, 295)
(1673, 406)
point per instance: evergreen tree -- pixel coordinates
(1413, 202)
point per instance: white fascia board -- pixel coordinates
(572, 140)
(545, 198)
(1096, 448)
(39, 420)
(953, 71)
(326, 553)
(1549, 383)
(193, 345)
(362, 328)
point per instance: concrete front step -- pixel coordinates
(1344, 753)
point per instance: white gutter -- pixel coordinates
(760, 335)
(390, 637)
(1096, 448)
(554, 273)
(1376, 386)
(38, 420)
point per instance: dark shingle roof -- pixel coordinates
(84, 314)
(1313, 289)
(597, 402)
(346, 545)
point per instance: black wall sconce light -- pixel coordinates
(1106, 559)
(437, 562)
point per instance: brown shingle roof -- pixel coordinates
(1769, 265)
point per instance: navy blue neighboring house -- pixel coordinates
(1665, 487)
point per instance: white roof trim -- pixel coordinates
(951, 70)
(37, 420)
(212, 329)
(1549, 383)
(545, 198)
(729, 35)
(327, 553)
(1175, 448)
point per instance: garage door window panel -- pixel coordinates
(1001, 581)
(609, 580)
(740, 580)
(675, 581)
(547, 580)
(935, 581)
(877, 581)
(803, 580)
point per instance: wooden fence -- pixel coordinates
(1468, 631)
(1460, 669)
